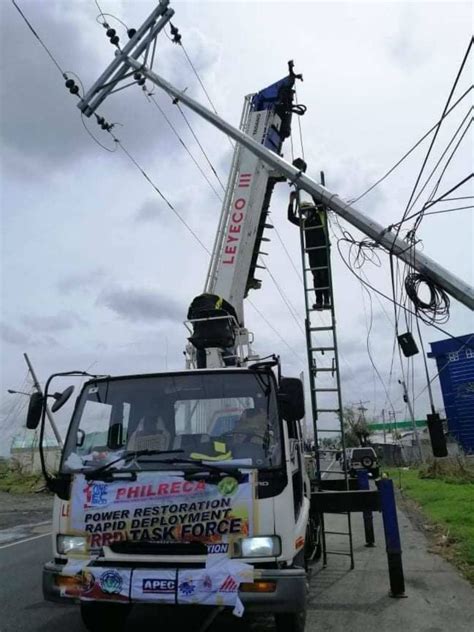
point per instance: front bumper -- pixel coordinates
(289, 595)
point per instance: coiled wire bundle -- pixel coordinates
(436, 309)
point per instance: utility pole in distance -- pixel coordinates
(406, 399)
(48, 412)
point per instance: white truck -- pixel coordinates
(190, 487)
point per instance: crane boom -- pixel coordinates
(266, 118)
(389, 240)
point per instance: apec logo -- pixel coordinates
(158, 586)
(96, 495)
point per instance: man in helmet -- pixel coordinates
(313, 216)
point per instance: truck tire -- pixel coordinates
(104, 617)
(290, 621)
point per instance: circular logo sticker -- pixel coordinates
(88, 581)
(111, 582)
(228, 486)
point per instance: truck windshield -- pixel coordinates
(222, 416)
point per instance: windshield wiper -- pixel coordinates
(126, 457)
(215, 471)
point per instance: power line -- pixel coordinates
(151, 98)
(201, 83)
(285, 299)
(458, 129)
(288, 255)
(412, 149)
(50, 54)
(300, 359)
(152, 183)
(395, 302)
(439, 199)
(199, 144)
(159, 192)
(464, 344)
(438, 127)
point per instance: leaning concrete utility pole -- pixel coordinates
(127, 60)
(48, 412)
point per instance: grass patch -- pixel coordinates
(14, 481)
(445, 496)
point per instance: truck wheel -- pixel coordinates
(102, 617)
(290, 621)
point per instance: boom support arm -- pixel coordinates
(453, 285)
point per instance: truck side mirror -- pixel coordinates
(291, 398)
(35, 408)
(61, 398)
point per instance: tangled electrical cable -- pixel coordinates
(436, 309)
(365, 250)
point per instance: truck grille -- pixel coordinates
(159, 548)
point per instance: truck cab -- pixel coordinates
(181, 488)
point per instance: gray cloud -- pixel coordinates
(142, 305)
(52, 131)
(12, 335)
(149, 211)
(405, 47)
(60, 322)
(80, 281)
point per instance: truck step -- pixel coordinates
(321, 328)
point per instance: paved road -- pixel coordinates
(22, 607)
(340, 600)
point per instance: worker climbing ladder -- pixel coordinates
(323, 361)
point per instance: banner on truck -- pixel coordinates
(158, 509)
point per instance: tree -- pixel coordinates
(356, 429)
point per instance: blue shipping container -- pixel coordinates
(455, 361)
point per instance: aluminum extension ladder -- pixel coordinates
(324, 378)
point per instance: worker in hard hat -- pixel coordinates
(313, 216)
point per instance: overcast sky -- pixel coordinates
(97, 272)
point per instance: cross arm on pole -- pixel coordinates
(116, 70)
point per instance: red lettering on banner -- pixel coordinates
(237, 217)
(151, 491)
(230, 250)
(239, 203)
(235, 228)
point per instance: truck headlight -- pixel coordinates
(67, 544)
(260, 546)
